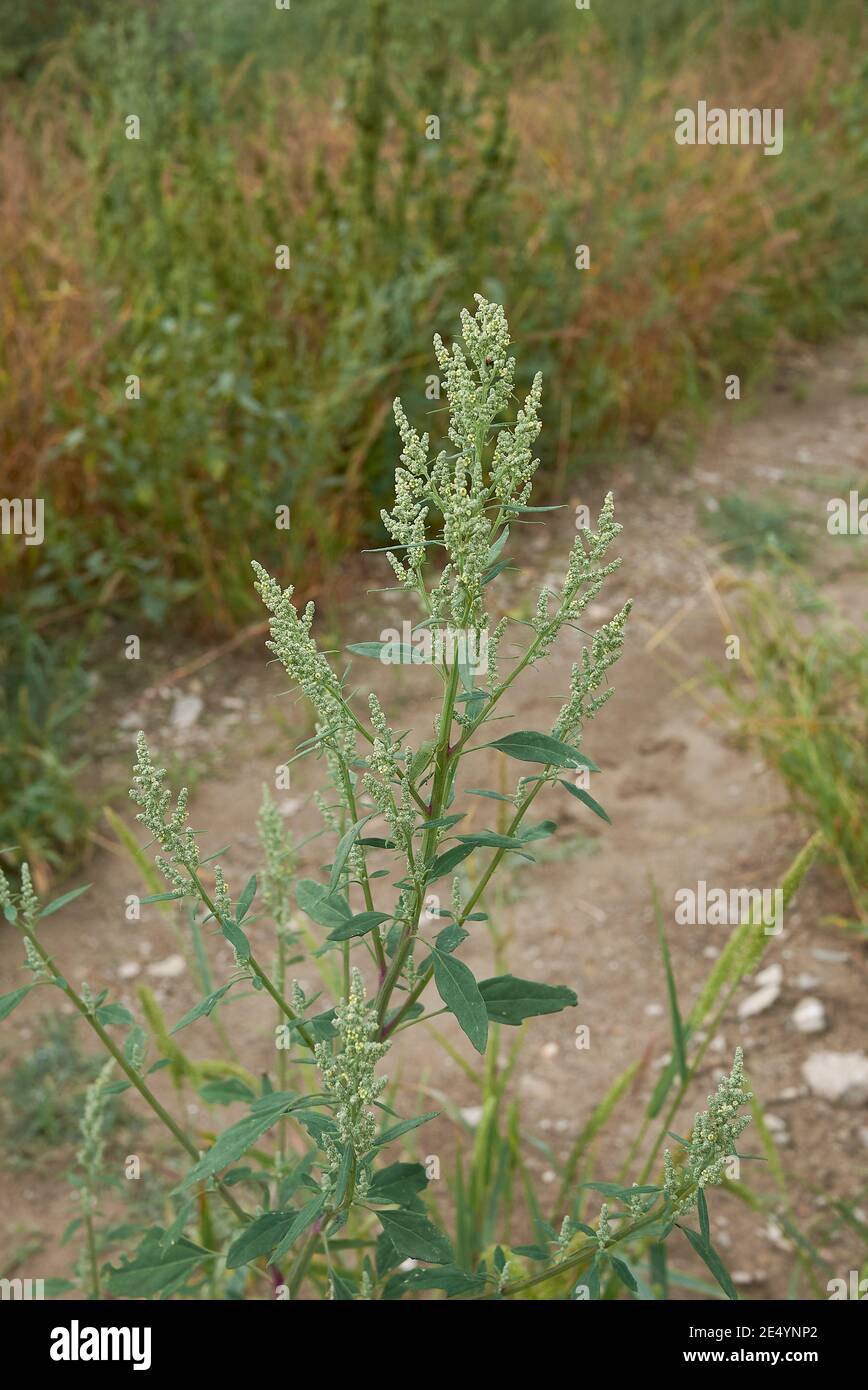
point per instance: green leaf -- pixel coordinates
(344, 1290)
(442, 822)
(114, 1016)
(52, 1287)
(176, 1230)
(399, 652)
(450, 938)
(226, 1092)
(494, 570)
(8, 1002)
(674, 1011)
(344, 1174)
(421, 759)
(520, 510)
(399, 1184)
(704, 1223)
(238, 1138)
(303, 1219)
(202, 1009)
(162, 897)
(345, 844)
(326, 909)
(492, 839)
(155, 1269)
(449, 1278)
(528, 746)
(709, 1255)
(592, 1280)
(495, 796)
(359, 925)
(415, 1237)
(496, 547)
(236, 938)
(540, 831)
(259, 1238)
(246, 899)
(587, 799)
(446, 862)
(510, 1000)
(459, 991)
(63, 900)
(404, 1127)
(624, 1274)
(614, 1189)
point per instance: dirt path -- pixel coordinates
(685, 803)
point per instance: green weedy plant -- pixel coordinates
(328, 1213)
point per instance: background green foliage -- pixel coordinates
(263, 388)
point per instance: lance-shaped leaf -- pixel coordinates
(415, 1237)
(342, 853)
(446, 862)
(238, 1138)
(528, 746)
(203, 1009)
(585, 797)
(155, 1268)
(459, 991)
(510, 1000)
(304, 1219)
(8, 1002)
(326, 909)
(359, 925)
(260, 1237)
(709, 1255)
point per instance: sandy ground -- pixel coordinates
(686, 804)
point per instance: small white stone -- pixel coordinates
(472, 1114)
(168, 969)
(185, 712)
(759, 1001)
(549, 1050)
(809, 1016)
(840, 1077)
(128, 969)
(654, 1010)
(772, 975)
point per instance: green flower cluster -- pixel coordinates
(175, 838)
(472, 494)
(278, 879)
(348, 1076)
(714, 1138)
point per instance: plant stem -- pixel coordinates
(129, 1072)
(254, 965)
(91, 1255)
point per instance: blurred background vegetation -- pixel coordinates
(263, 387)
